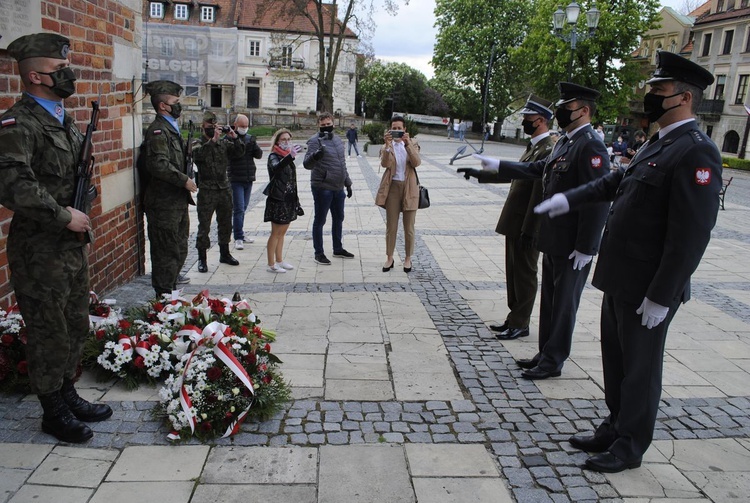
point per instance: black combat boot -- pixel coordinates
(59, 422)
(225, 257)
(81, 409)
(202, 267)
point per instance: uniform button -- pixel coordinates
(611, 211)
(606, 230)
(619, 191)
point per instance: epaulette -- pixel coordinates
(589, 135)
(697, 136)
(10, 121)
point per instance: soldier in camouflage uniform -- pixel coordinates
(212, 156)
(48, 239)
(168, 188)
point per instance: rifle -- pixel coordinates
(189, 152)
(85, 192)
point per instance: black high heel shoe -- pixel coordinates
(386, 269)
(407, 269)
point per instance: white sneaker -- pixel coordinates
(359, 155)
(249, 240)
(275, 268)
(285, 265)
(239, 244)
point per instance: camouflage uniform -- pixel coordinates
(48, 263)
(166, 201)
(215, 191)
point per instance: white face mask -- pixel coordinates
(242, 130)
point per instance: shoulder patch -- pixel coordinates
(156, 131)
(702, 176)
(589, 135)
(596, 161)
(10, 121)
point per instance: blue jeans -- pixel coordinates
(240, 199)
(355, 148)
(326, 200)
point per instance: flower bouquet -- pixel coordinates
(14, 374)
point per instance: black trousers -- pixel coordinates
(632, 359)
(561, 294)
(521, 277)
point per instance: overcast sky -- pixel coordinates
(409, 36)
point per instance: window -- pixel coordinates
(720, 6)
(181, 11)
(217, 48)
(253, 93)
(207, 14)
(167, 47)
(656, 51)
(645, 51)
(157, 10)
(728, 38)
(286, 93)
(286, 55)
(253, 47)
(721, 81)
(709, 130)
(741, 90)
(731, 142)
(191, 85)
(191, 48)
(747, 44)
(706, 44)
(673, 46)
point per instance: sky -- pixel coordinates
(409, 36)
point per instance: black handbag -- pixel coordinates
(424, 194)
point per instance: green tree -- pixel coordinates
(397, 86)
(469, 31)
(600, 62)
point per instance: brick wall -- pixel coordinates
(98, 29)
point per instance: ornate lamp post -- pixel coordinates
(570, 15)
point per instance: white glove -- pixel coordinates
(580, 260)
(555, 205)
(653, 313)
(487, 162)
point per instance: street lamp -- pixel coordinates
(570, 15)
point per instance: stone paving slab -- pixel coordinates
(126, 492)
(74, 467)
(154, 463)
(261, 465)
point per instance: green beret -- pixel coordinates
(209, 117)
(163, 87)
(40, 45)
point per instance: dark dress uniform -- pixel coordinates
(520, 226)
(166, 202)
(573, 162)
(665, 205)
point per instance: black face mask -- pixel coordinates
(175, 110)
(528, 127)
(653, 105)
(326, 129)
(63, 82)
(210, 132)
(563, 116)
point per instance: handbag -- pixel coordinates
(424, 194)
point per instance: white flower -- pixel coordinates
(235, 391)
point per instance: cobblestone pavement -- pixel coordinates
(408, 361)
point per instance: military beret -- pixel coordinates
(537, 106)
(670, 66)
(209, 117)
(571, 92)
(40, 45)
(163, 87)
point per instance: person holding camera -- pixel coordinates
(211, 156)
(241, 173)
(282, 201)
(399, 190)
(326, 160)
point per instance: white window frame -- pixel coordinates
(278, 92)
(156, 10)
(181, 11)
(253, 44)
(287, 53)
(726, 34)
(208, 13)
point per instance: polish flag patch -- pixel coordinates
(157, 131)
(11, 121)
(702, 176)
(596, 162)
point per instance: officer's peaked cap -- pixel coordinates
(536, 105)
(571, 92)
(670, 66)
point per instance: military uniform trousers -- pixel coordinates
(632, 359)
(521, 267)
(561, 294)
(168, 233)
(56, 316)
(210, 201)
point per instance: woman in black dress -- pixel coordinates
(282, 202)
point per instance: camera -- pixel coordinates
(225, 129)
(397, 134)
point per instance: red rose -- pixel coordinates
(99, 334)
(266, 378)
(138, 362)
(228, 415)
(22, 367)
(7, 339)
(158, 307)
(251, 358)
(213, 374)
(194, 313)
(257, 330)
(267, 348)
(206, 426)
(244, 330)
(152, 339)
(124, 324)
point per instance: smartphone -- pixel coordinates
(396, 133)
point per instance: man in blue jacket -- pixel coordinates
(326, 160)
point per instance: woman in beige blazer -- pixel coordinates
(399, 191)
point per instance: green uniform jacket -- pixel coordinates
(212, 159)
(165, 162)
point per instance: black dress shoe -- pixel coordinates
(607, 462)
(527, 363)
(513, 333)
(499, 328)
(590, 443)
(540, 373)
(407, 269)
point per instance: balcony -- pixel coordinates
(711, 110)
(293, 63)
